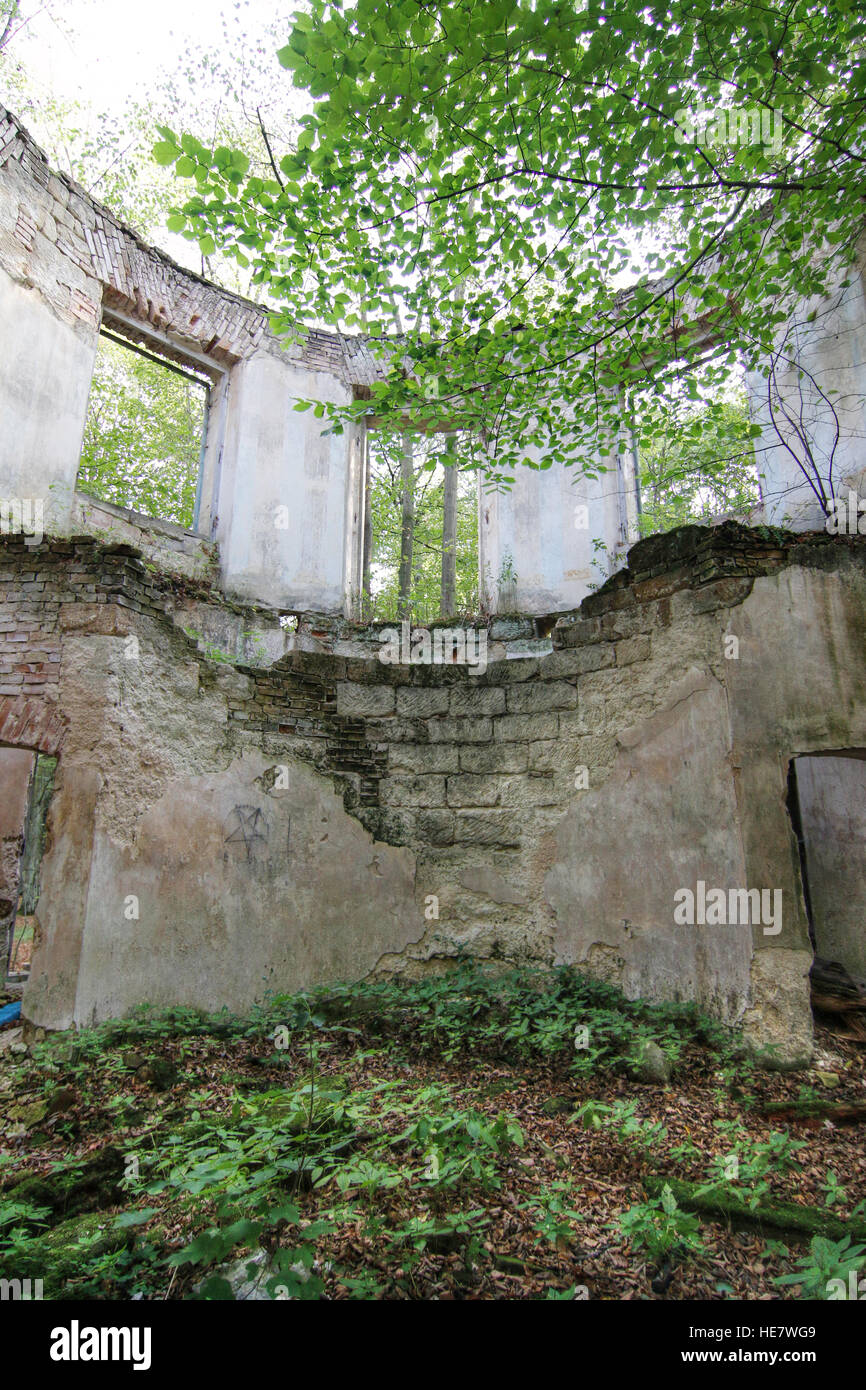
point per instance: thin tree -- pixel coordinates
(407, 528)
(449, 541)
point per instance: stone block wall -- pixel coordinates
(222, 827)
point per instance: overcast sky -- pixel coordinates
(102, 51)
(100, 54)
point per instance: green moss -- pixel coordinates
(78, 1188)
(66, 1253)
(726, 1205)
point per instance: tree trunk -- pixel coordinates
(7, 27)
(449, 543)
(367, 542)
(407, 530)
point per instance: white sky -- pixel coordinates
(100, 54)
(102, 51)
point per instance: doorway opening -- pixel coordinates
(827, 806)
(27, 784)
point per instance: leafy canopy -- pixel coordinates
(703, 464)
(552, 197)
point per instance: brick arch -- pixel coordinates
(31, 723)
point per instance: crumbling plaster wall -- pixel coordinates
(832, 800)
(559, 532)
(826, 337)
(220, 828)
(44, 388)
(67, 266)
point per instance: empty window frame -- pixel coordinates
(421, 543)
(145, 431)
(696, 456)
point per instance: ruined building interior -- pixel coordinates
(284, 815)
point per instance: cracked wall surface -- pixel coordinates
(222, 828)
(243, 807)
(69, 267)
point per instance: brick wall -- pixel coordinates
(81, 257)
(422, 753)
(408, 785)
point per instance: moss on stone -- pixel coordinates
(79, 1188)
(722, 1203)
(64, 1253)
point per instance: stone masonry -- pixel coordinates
(246, 804)
(222, 827)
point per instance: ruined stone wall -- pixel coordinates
(820, 376)
(84, 257)
(225, 827)
(68, 266)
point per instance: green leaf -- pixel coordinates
(135, 1218)
(217, 1288)
(166, 152)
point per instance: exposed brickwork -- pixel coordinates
(31, 723)
(424, 754)
(435, 752)
(76, 252)
(61, 585)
